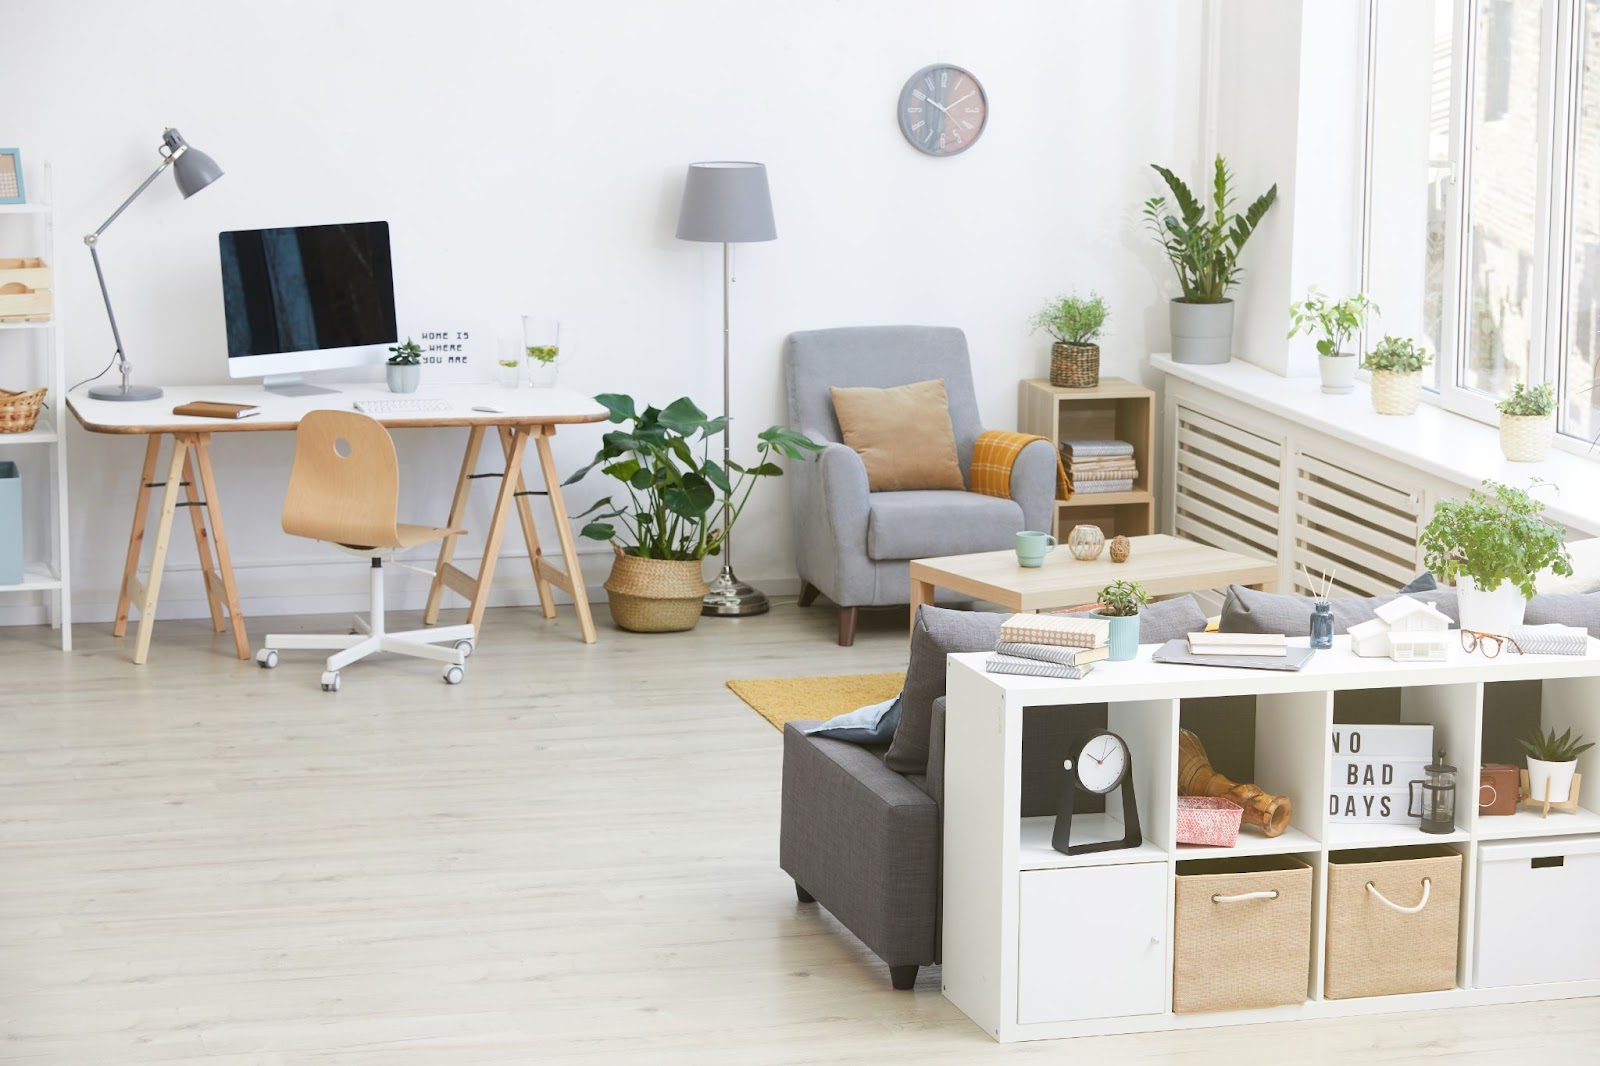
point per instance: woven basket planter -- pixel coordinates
(654, 595)
(1212, 820)
(1393, 918)
(1074, 366)
(1396, 394)
(19, 411)
(1241, 934)
(1527, 438)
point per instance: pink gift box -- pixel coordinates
(1208, 820)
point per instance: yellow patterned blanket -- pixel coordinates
(993, 455)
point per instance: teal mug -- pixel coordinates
(1032, 547)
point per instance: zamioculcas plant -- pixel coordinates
(1204, 253)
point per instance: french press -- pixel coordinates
(1438, 811)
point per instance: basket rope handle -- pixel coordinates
(1427, 890)
(1241, 897)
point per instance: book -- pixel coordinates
(1060, 630)
(1238, 644)
(1052, 653)
(1177, 651)
(1091, 488)
(1104, 475)
(1081, 448)
(1235, 650)
(212, 409)
(1013, 664)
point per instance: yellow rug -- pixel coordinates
(786, 699)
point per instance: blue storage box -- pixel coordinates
(10, 524)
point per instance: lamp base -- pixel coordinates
(731, 598)
(125, 392)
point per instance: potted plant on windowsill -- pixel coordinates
(1552, 761)
(1491, 546)
(1528, 423)
(404, 370)
(1205, 256)
(1075, 323)
(1119, 605)
(672, 507)
(1334, 323)
(1397, 364)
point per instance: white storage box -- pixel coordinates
(1536, 915)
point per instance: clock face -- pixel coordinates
(942, 110)
(1102, 762)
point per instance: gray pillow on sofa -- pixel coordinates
(1568, 608)
(1251, 611)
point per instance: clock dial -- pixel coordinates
(1102, 762)
(942, 110)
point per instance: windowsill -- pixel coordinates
(1439, 442)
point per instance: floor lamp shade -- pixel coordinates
(726, 203)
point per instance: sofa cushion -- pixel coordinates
(1568, 608)
(1169, 619)
(920, 525)
(903, 435)
(1251, 611)
(1585, 570)
(869, 725)
(938, 632)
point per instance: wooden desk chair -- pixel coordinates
(345, 489)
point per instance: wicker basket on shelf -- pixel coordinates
(1527, 438)
(19, 411)
(1074, 366)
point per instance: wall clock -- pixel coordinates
(1100, 762)
(943, 110)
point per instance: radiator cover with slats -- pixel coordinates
(1226, 483)
(1361, 530)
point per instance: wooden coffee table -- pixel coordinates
(1164, 565)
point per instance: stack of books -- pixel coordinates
(1250, 644)
(1099, 465)
(1050, 645)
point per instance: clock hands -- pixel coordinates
(954, 102)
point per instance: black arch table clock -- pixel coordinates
(1099, 762)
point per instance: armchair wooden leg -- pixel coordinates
(903, 978)
(847, 625)
(808, 594)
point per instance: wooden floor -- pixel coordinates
(570, 858)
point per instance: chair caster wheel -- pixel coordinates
(453, 675)
(330, 681)
(464, 647)
(266, 658)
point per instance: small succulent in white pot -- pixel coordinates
(1397, 364)
(1334, 323)
(405, 367)
(1552, 760)
(1528, 422)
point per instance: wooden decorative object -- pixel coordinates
(1120, 549)
(1544, 805)
(1268, 813)
(19, 303)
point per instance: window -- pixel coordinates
(1483, 195)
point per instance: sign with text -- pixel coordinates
(455, 355)
(1370, 768)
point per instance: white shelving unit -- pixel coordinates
(31, 353)
(1020, 919)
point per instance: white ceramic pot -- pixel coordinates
(1496, 611)
(404, 378)
(1396, 394)
(1527, 438)
(1558, 775)
(1338, 373)
(1202, 333)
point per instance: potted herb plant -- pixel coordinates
(1396, 364)
(1491, 546)
(405, 367)
(1205, 256)
(1528, 422)
(1334, 323)
(1119, 605)
(1075, 323)
(676, 497)
(1552, 760)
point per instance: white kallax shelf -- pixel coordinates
(1013, 906)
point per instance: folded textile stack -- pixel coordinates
(1049, 646)
(1099, 465)
(1551, 639)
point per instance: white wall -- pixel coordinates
(529, 157)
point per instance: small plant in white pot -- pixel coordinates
(1075, 323)
(1334, 323)
(1119, 605)
(1528, 423)
(1491, 546)
(405, 367)
(1397, 364)
(1552, 760)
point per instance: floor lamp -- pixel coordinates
(194, 170)
(727, 203)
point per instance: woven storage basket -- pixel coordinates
(1396, 394)
(1210, 820)
(1241, 934)
(654, 595)
(1527, 438)
(1074, 366)
(1400, 935)
(19, 411)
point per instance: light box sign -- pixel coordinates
(452, 355)
(1370, 770)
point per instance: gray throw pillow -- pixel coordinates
(1423, 582)
(1568, 608)
(937, 634)
(1170, 619)
(869, 725)
(1251, 611)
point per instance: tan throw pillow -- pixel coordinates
(903, 435)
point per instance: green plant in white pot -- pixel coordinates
(404, 370)
(1075, 323)
(1119, 605)
(1397, 364)
(1552, 760)
(1491, 546)
(1204, 253)
(1334, 323)
(1528, 423)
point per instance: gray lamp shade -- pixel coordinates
(193, 169)
(726, 202)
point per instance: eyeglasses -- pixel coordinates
(1489, 643)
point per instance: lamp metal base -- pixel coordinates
(731, 598)
(125, 392)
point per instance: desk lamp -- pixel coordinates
(728, 203)
(194, 170)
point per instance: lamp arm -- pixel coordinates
(93, 241)
(166, 161)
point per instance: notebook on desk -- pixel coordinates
(212, 409)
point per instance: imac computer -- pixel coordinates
(307, 298)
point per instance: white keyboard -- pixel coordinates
(400, 407)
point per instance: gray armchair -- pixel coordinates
(855, 546)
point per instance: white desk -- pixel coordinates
(520, 414)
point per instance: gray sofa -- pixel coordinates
(854, 546)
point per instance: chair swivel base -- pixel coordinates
(416, 643)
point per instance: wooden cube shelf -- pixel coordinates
(1115, 409)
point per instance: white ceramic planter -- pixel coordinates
(1557, 774)
(1396, 394)
(1338, 373)
(1527, 438)
(403, 378)
(1496, 611)
(1202, 333)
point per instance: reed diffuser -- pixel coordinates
(1322, 610)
